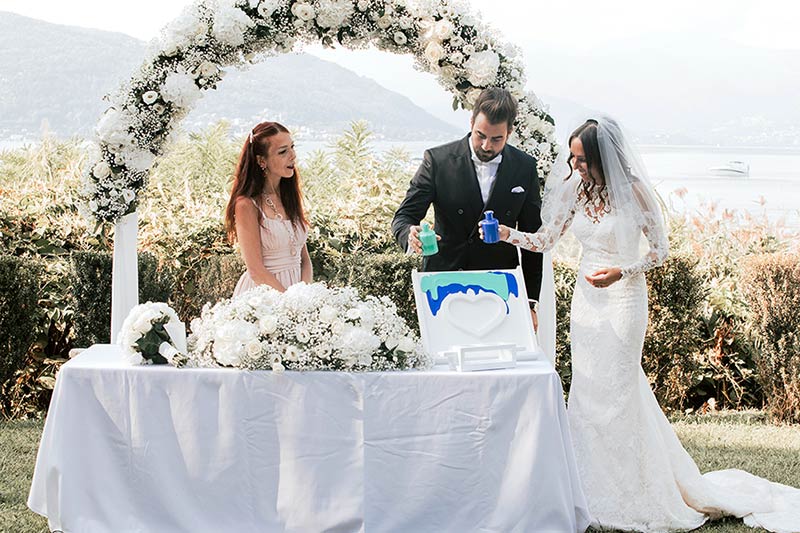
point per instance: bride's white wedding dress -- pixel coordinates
(635, 473)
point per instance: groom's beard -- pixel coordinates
(485, 156)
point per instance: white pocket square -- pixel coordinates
(517, 189)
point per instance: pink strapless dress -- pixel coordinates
(279, 255)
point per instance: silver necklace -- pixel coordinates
(278, 216)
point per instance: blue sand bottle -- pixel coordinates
(491, 228)
(428, 239)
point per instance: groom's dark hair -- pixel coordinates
(497, 105)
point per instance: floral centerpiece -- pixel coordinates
(152, 333)
(308, 327)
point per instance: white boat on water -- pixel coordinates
(732, 168)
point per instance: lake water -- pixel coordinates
(771, 189)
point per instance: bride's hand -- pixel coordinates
(502, 232)
(604, 277)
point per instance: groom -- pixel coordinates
(463, 179)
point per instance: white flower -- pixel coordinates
(207, 69)
(180, 89)
(362, 5)
(384, 22)
(159, 108)
(472, 96)
(266, 8)
(253, 347)
(302, 334)
(443, 29)
(140, 160)
(101, 170)
(268, 324)
(150, 97)
(392, 343)
(400, 38)
(482, 68)
(468, 50)
(113, 128)
(291, 354)
(278, 367)
(353, 314)
(328, 314)
(183, 31)
(434, 53)
(333, 13)
(406, 23)
(128, 195)
(303, 11)
(230, 25)
(407, 345)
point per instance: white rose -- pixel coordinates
(101, 170)
(353, 314)
(159, 108)
(482, 68)
(278, 367)
(434, 53)
(443, 29)
(253, 348)
(472, 96)
(291, 354)
(268, 324)
(230, 24)
(406, 23)
(150, 97)
(406, 345)
(456, 58)
(384, 22)
(128, 195)
(400, 38)
(468, 50)
(362, 5)
(303, 11)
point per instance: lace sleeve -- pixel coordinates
(654, 230)
(545, 238)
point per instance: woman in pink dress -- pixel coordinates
(265, 212)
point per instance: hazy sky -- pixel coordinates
(576, 27)
(765, 23)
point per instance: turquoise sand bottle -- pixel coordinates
(491, 228)
(428, 239)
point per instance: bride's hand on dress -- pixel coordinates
(604, 277)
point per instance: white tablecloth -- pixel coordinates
(158, 449)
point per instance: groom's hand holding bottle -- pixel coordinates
(414, 244)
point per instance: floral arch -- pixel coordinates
(444, 36)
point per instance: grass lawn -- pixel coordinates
(726, 440)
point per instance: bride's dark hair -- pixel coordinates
(587, 133)
(249, 180)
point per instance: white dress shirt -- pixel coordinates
(486, 172)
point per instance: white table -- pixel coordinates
(158, 449)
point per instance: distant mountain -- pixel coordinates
(59, 74)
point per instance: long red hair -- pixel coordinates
(249, 180)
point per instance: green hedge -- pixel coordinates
(771, 284)
(91, 286)
(20, 315)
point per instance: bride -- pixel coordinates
(634, 470)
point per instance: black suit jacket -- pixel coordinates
(446, 178)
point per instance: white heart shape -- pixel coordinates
(476, 314)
